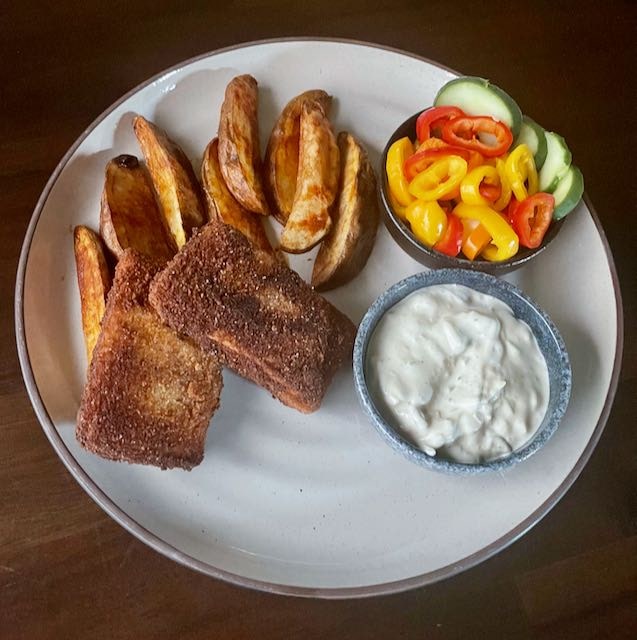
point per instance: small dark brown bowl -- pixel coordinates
(401, 231)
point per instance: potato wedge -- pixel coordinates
(222, 204)
(129, 215)
(281, 161)
(239, 151)
(94, 281)
(317, 182)
(355, 218)
(174, 180)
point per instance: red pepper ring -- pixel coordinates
(432, 120)
(451, 240)
(465, 132)
(509, 210)
(423, 159)
(490, 192)
(531, 218)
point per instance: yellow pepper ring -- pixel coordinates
(505, 187)
(519, 169)
(470, 186)
(428, 221)
(398, 208)
(504, 241)
(440, 179)
(396, 156)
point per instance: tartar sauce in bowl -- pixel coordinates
(461, 372)
(456, 372)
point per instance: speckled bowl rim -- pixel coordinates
(560, 380)
(173, 553)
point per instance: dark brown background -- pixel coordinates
(67, 571)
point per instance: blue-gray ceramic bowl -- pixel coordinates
(401, 231)
(548, 338)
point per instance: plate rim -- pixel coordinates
(155, 542)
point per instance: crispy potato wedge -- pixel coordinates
(239, 151)
(174, 180)
(129, 215)
(317, 182)
(222, 204)
(94, 282)
(281, 162)
(355, 218)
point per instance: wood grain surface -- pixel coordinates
(68, 571)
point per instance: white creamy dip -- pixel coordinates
(458, 373)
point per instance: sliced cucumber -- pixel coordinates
(568, 192)
(558, 160)
(533, 136)
(478, 97)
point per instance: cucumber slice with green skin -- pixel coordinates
(478, 97)
(533, 136)
(568, 192)
(558, 160)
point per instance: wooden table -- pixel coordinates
(68, 571)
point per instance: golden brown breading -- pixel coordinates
(265, 322)
(150, 394)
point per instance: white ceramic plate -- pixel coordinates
(308, 505)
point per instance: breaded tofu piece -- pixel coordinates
(263, 320)
(150, 393)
